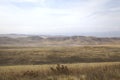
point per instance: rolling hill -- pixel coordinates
(41, 40)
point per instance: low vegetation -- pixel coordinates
(60, 63)
(55, 55)
(82, 71)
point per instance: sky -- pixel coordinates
(60, 17)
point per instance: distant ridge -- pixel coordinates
(46, 40)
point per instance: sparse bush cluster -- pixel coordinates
(31, 73)
(60, 69)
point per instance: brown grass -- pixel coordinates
(74, 63)
(83, 71)
(55, 55)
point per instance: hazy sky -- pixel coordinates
(59, 16)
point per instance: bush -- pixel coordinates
(60, 69)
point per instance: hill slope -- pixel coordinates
(33, 40)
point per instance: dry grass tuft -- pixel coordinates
(60, 69)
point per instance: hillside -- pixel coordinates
(39, 40)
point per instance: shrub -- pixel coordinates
(60, 69)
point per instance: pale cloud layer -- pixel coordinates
(59, 16)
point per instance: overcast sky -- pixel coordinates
(59, 16)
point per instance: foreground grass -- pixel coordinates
(54, 55)
(79, 63)
(78, 71)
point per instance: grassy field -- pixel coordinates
(60, 63)
(79, 71)
(55, 55)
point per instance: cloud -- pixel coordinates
(22, 1)
(58, 16)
